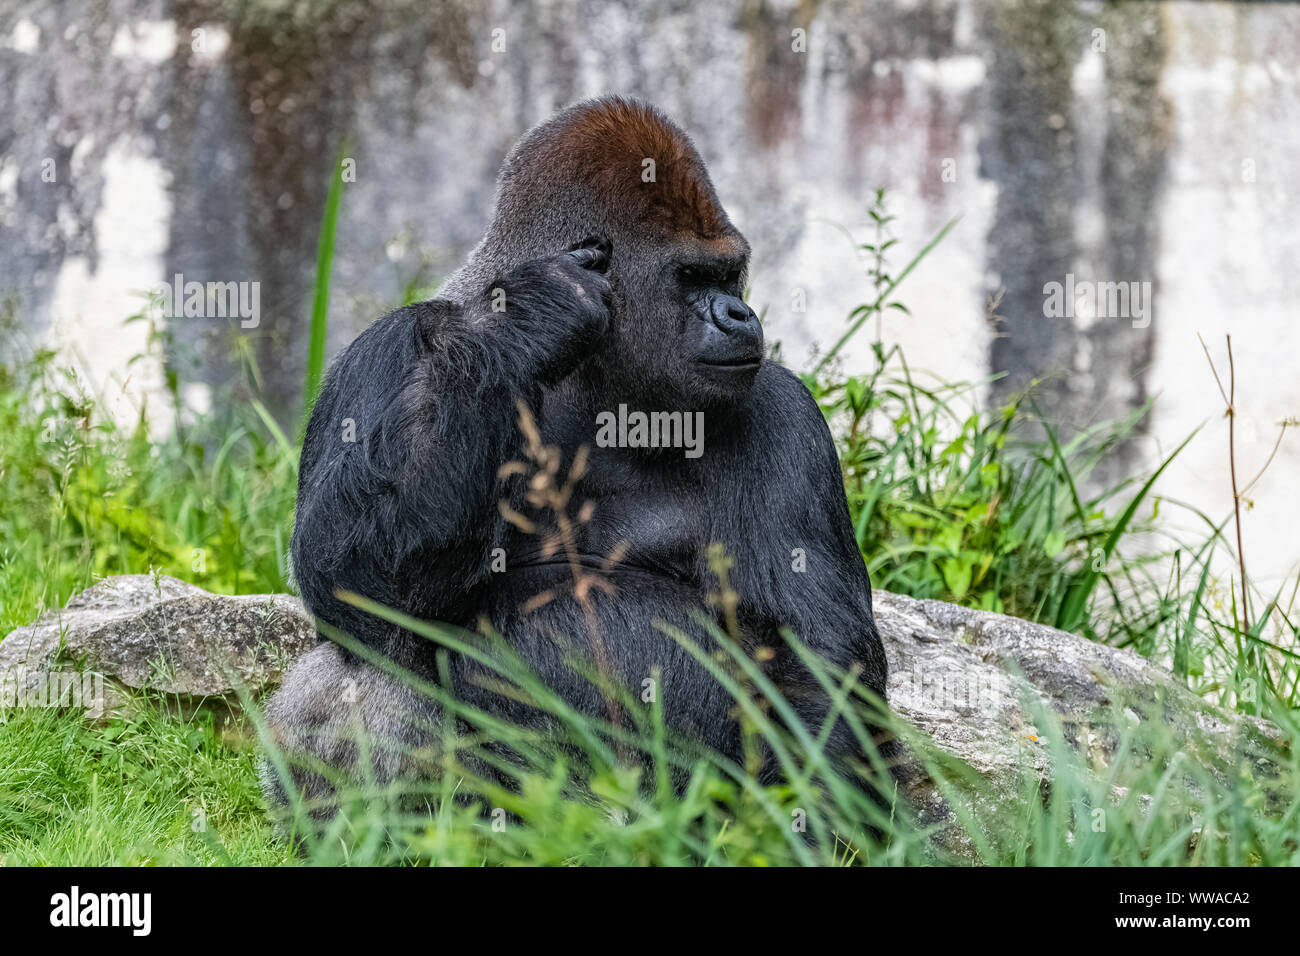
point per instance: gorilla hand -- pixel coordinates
(561, 305)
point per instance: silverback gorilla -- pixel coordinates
(608, 283)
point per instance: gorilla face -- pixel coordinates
(728, 339)
(681, 335)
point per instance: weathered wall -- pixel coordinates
(1160, 150)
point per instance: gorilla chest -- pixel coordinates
(656, 533)
(641, 529)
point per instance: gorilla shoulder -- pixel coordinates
(783, 407)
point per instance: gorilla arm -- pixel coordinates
(796, 558)
(398, 490)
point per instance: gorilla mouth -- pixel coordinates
(741, 363)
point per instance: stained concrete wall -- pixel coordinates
(1144, 142)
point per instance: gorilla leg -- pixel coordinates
(342, 724)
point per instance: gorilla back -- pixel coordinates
(603, 304)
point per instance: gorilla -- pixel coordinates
(600, 320)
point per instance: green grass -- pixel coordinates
(988, 508)
(84, 499)
(158, 788)
(957, 504)
(155, 789)
(1160, 801)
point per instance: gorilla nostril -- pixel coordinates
(730, 313)
(742, 313)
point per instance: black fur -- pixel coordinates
(409, 516)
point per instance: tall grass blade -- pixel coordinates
(1075, 604)
(321, 293)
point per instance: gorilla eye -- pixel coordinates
(715, 276)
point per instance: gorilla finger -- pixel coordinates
(592, 253)
(594, 241)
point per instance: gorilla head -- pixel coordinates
(680, 334)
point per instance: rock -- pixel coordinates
(981, 687)
(158, 634)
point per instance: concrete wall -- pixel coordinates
(1138, 142)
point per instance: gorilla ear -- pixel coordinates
(592, 253)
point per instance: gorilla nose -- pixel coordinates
(731, 315)
(732, 337)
